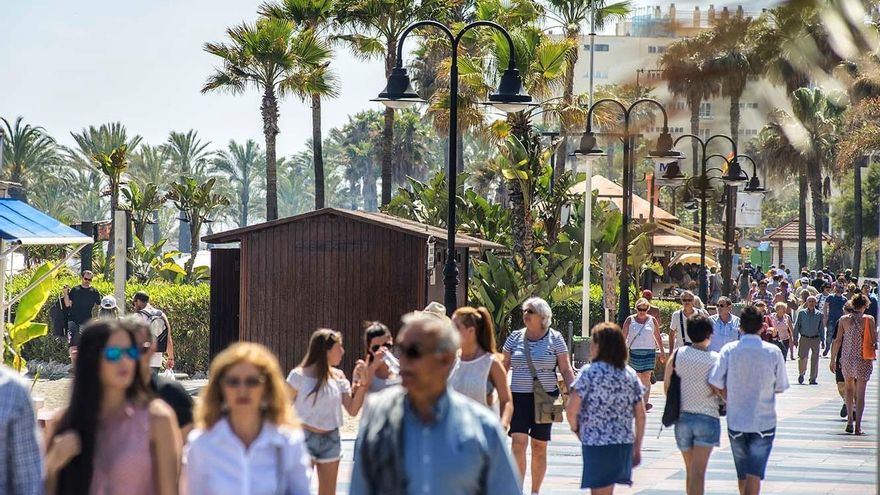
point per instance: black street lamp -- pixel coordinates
(509, 97)
(663, 152)
(732, 178)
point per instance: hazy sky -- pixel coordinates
(67, 64)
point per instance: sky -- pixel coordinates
(68, 64)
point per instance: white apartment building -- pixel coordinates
(632, 55)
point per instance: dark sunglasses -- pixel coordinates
(687, 300)
(114, 354)
(414, 351)
(528, 311)
(642, 309)
(722, 305)
(249, 382)
(87, 279)
(387, 345)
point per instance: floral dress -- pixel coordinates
(608, 395)
(852, 364)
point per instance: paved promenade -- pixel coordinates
(811, 453)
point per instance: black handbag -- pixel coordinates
(672, 410)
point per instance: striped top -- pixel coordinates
(543, 351)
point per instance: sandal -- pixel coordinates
(859, 432)
(849, 428)
(648, 406)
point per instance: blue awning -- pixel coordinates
(23, 224)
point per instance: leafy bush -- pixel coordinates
(566, 311)
(187, 307)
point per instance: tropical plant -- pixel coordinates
(151, 263)
(374, 28)
(272, 57)
(112, 165)
(197, 203)
(243, 168)
(316, 16)
(188, 156)
(104, 139)
(151, 164)
(27, 151)
(142, 204)
(24, 329)
(731, 62)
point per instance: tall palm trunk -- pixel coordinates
(317, 151)
(269, 110)
(857, 225)
(245, 205)
(734, 116)
(194, 228)
(818, 215)
(802, 219)
(183, 237)
(388, 130)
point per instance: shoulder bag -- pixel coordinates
(672, 410)
(869, 346)
(548, 409)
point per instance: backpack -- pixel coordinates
(156, 321)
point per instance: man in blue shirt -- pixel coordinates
(425, 438)
(725, 326)
(749, 374)
(22, 467)
(832, 310)
(807, 337)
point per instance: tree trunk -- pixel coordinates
(157, 234)
(269, 110)
(245, 205)
(388, 130)
(693, 102)
(317, 151)
(567, 98)
(734, 117)
(818, 214)
(194, 228)
(857, 224)
(802, 220)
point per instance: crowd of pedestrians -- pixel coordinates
(437, 404)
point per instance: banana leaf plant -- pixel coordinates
(150, 263)
(24, 329)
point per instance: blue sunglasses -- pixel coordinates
(114, 354)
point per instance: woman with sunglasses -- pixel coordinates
(478, 373)
(247, 439)
(642, 334)
(548, 352)
(114, 437)
(320, 392)
(374, 371)
(678, 323)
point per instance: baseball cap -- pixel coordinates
(436, 308)
(108, 302)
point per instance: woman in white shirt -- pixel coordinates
(320, 391)
(642, 334)
(247, 439)
(478, 372)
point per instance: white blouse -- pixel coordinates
(216, 462)
(322, 410)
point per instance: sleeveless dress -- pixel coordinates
(123, 463)
(471, 378)
(641, 344)
(852, 364)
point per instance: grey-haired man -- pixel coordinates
(808, 335)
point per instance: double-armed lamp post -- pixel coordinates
(509, 97)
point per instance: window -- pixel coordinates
(705, 110)
(600, 74)
(679, 105)
(652, 49)
(704, 133)
(661, 49)
(753, 105)
(600, 47)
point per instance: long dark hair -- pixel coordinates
(83, 414)
(481, 320)
(319, 345)
(373, 329)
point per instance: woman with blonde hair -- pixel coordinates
(641, 332)
(478, 372)
(247, 439)
(320, 392)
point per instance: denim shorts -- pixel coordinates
(697, 430)
(324, 447)
(751, 451)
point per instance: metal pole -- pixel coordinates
(450, 270)
(120, 258)
(592, 49)
(727, 266)
(588, 199)
(623, 300)
(703, 212)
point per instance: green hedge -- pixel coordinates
(187, 307)
(572, 311)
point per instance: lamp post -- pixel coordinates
(733, 176)
(509, 97)
(588, 149)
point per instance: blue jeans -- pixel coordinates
(751, 451)
(697, 430)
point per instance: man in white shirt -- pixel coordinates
(725, 326)
(741, 375)
(678, 325)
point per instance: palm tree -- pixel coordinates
(571, 15)
(84, 185)
(375, 27)
(197, 203)
(295, 184)
(242, 167)
(317, 16)
(731, 62)
(273, 57)
(143, 205)
(187, 154)
(684, 69)
(151, 164)
(112, 165)
(105, 139)
(26, 152)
